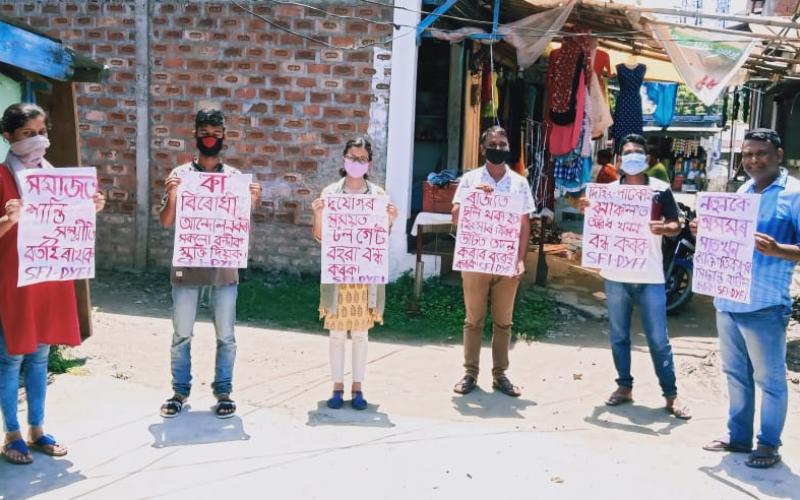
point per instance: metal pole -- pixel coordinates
(142, 133)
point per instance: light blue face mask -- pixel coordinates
(634, 163)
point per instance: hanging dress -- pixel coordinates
(628, 111)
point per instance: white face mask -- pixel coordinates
(634, 163)
(31, 151)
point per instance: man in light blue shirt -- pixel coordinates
(753, 336)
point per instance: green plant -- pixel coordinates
(292, 302)
(59, 362)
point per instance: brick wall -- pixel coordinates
(290, 105)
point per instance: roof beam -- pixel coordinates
(432, 17)
(35, 53)
(743, 34)
(779, 23)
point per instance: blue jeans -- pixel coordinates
(753, 350)
(34, 366)
(652, 302)
(223, 311)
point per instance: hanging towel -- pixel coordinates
(665, 96)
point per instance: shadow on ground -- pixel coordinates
(347, 416)
(197, 427)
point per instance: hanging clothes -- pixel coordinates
(489, 92)
(746, 104)
(725, 104)
(602, 68)
(566, 67)
(628, 112)
(665, 96)
(565, 138)
(601, 114)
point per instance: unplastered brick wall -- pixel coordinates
(290, 106)
(107, 112)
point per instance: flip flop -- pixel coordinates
(720, 445)
(682, 412)
(20, 447)
(48, 445)
(616, 399)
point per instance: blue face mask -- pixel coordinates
(634, 163)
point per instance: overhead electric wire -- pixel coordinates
(627, 35)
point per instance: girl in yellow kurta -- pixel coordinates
(353, 308)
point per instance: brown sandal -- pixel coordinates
(681, 412)
(618, 398)
(466, 385)
(505, 386)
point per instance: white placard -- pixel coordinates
(212, 221)
(56, 235)
(488, 233)
(355, 239)
(723, 258)
(616, 227)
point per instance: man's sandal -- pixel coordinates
(724, 445)
(504, 385)
(22, 455)
(681, 412)
(226, 408)
(48, 445)
(466, 385)
(763, 457)
(172, 407)
(617, 398)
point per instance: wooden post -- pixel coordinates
(64, 151)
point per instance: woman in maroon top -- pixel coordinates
(608, 172)
(33, 317)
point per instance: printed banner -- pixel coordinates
(488, 233)
(706, 61)
(723, 259)
(57, 224)
(355, 239)
(212, 224)
(616, 227)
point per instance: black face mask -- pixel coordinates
(497, 156)
(209, 146)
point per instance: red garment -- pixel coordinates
(607, 174)
(565, 63)
(602, 65)
(565, 138)
(44, 313)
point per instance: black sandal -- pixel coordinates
(226, 408)
(172, 407)
(724, 445)
(505, 386)
(466, 385)
(763, 457)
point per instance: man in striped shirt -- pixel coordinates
(753, 336)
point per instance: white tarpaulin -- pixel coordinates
(531, 35)
(706, 61)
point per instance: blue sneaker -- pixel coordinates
(337, 401)
(358, 402)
